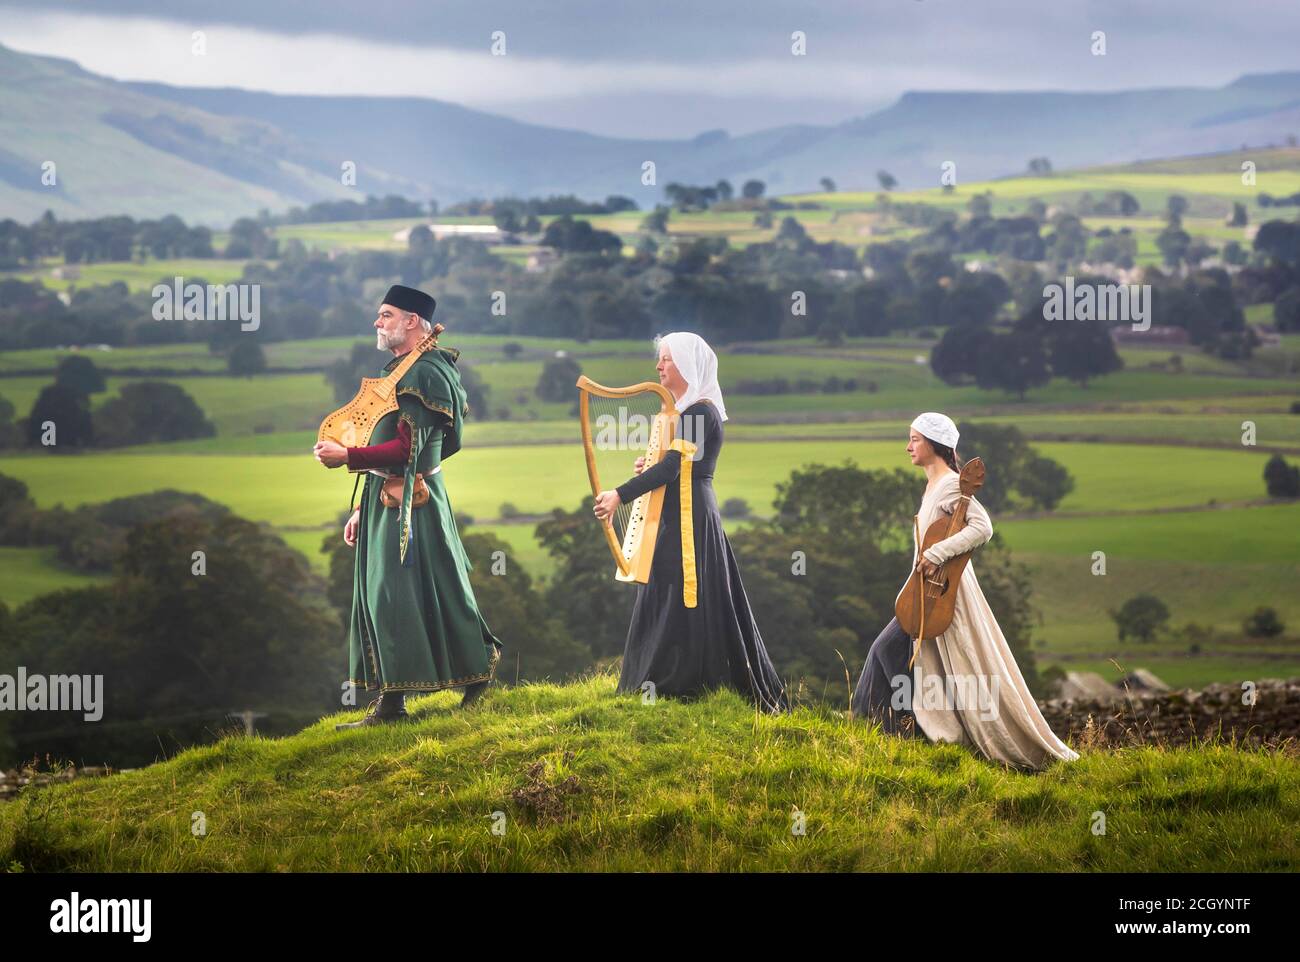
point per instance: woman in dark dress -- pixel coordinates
(687, 650)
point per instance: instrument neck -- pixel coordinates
(408, 359)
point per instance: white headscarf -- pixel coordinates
(936, 427)
(698, 366)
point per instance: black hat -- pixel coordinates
(409, 299)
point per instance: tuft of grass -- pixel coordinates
(576, 777)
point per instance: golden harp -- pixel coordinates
(352, 424)
(614, 421)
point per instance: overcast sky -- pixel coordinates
(663, 67)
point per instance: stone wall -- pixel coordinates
(1178, 717)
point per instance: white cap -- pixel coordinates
(936, 427)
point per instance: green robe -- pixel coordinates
(415, 624)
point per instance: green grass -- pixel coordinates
(1209, 567)
(1185, 671)
(1210, 183)
(296, 490)
(141, 275)
(1266, 535)
(1208, 422)
(675, 786)
(27, 573)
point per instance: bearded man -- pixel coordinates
(415, 625)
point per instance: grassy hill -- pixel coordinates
(587, 780)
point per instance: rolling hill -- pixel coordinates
(576, 778)
(210, 155)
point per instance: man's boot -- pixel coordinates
(474, 692)
(390, 706)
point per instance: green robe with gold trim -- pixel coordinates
(415, 624)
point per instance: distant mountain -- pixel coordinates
(116, 150)
(210, 155)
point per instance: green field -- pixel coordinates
(26, 573)
(1145, 444)
(286, 490)
(298, 401)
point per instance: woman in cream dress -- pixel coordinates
(965, 685)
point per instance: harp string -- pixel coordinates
(610, 417)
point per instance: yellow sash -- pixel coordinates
(687, 449)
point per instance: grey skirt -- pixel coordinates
(884, 691)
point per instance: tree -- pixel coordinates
(249, 631)
(791, 231)
(1068, 242)
(558, 379)
(1044, 482)
(147, 411)
(1263, 622)
(69, 413)
(541, 646)
(1123, 203)
(1280, 240)
(421, 240)
(344, 376)
(582, 592)
(79, 373)
(954, 359)
(1281, 479)
(834, 500)
(752, 189)
(246, 359)
(1142, 616)
(10, 432)
(828, 185)
(566, 234)
(1286, 310)
(657, 220)
(1173, 243)
(887, 180)
(507, 220)
(1040, 166)
(1012, 467)
(1013, 362)
(1081, 350)
(973, 299)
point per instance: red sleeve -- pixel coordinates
(396, 451)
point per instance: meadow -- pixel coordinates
(1164, 484)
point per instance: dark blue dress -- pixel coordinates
(687, 651)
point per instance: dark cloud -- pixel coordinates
(1179, 40)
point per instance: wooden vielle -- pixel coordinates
(925, 607)
(352, 424)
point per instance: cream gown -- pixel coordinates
(986, 703)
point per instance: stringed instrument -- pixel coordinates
(612, 419)
(352, 424)
(926, 605)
